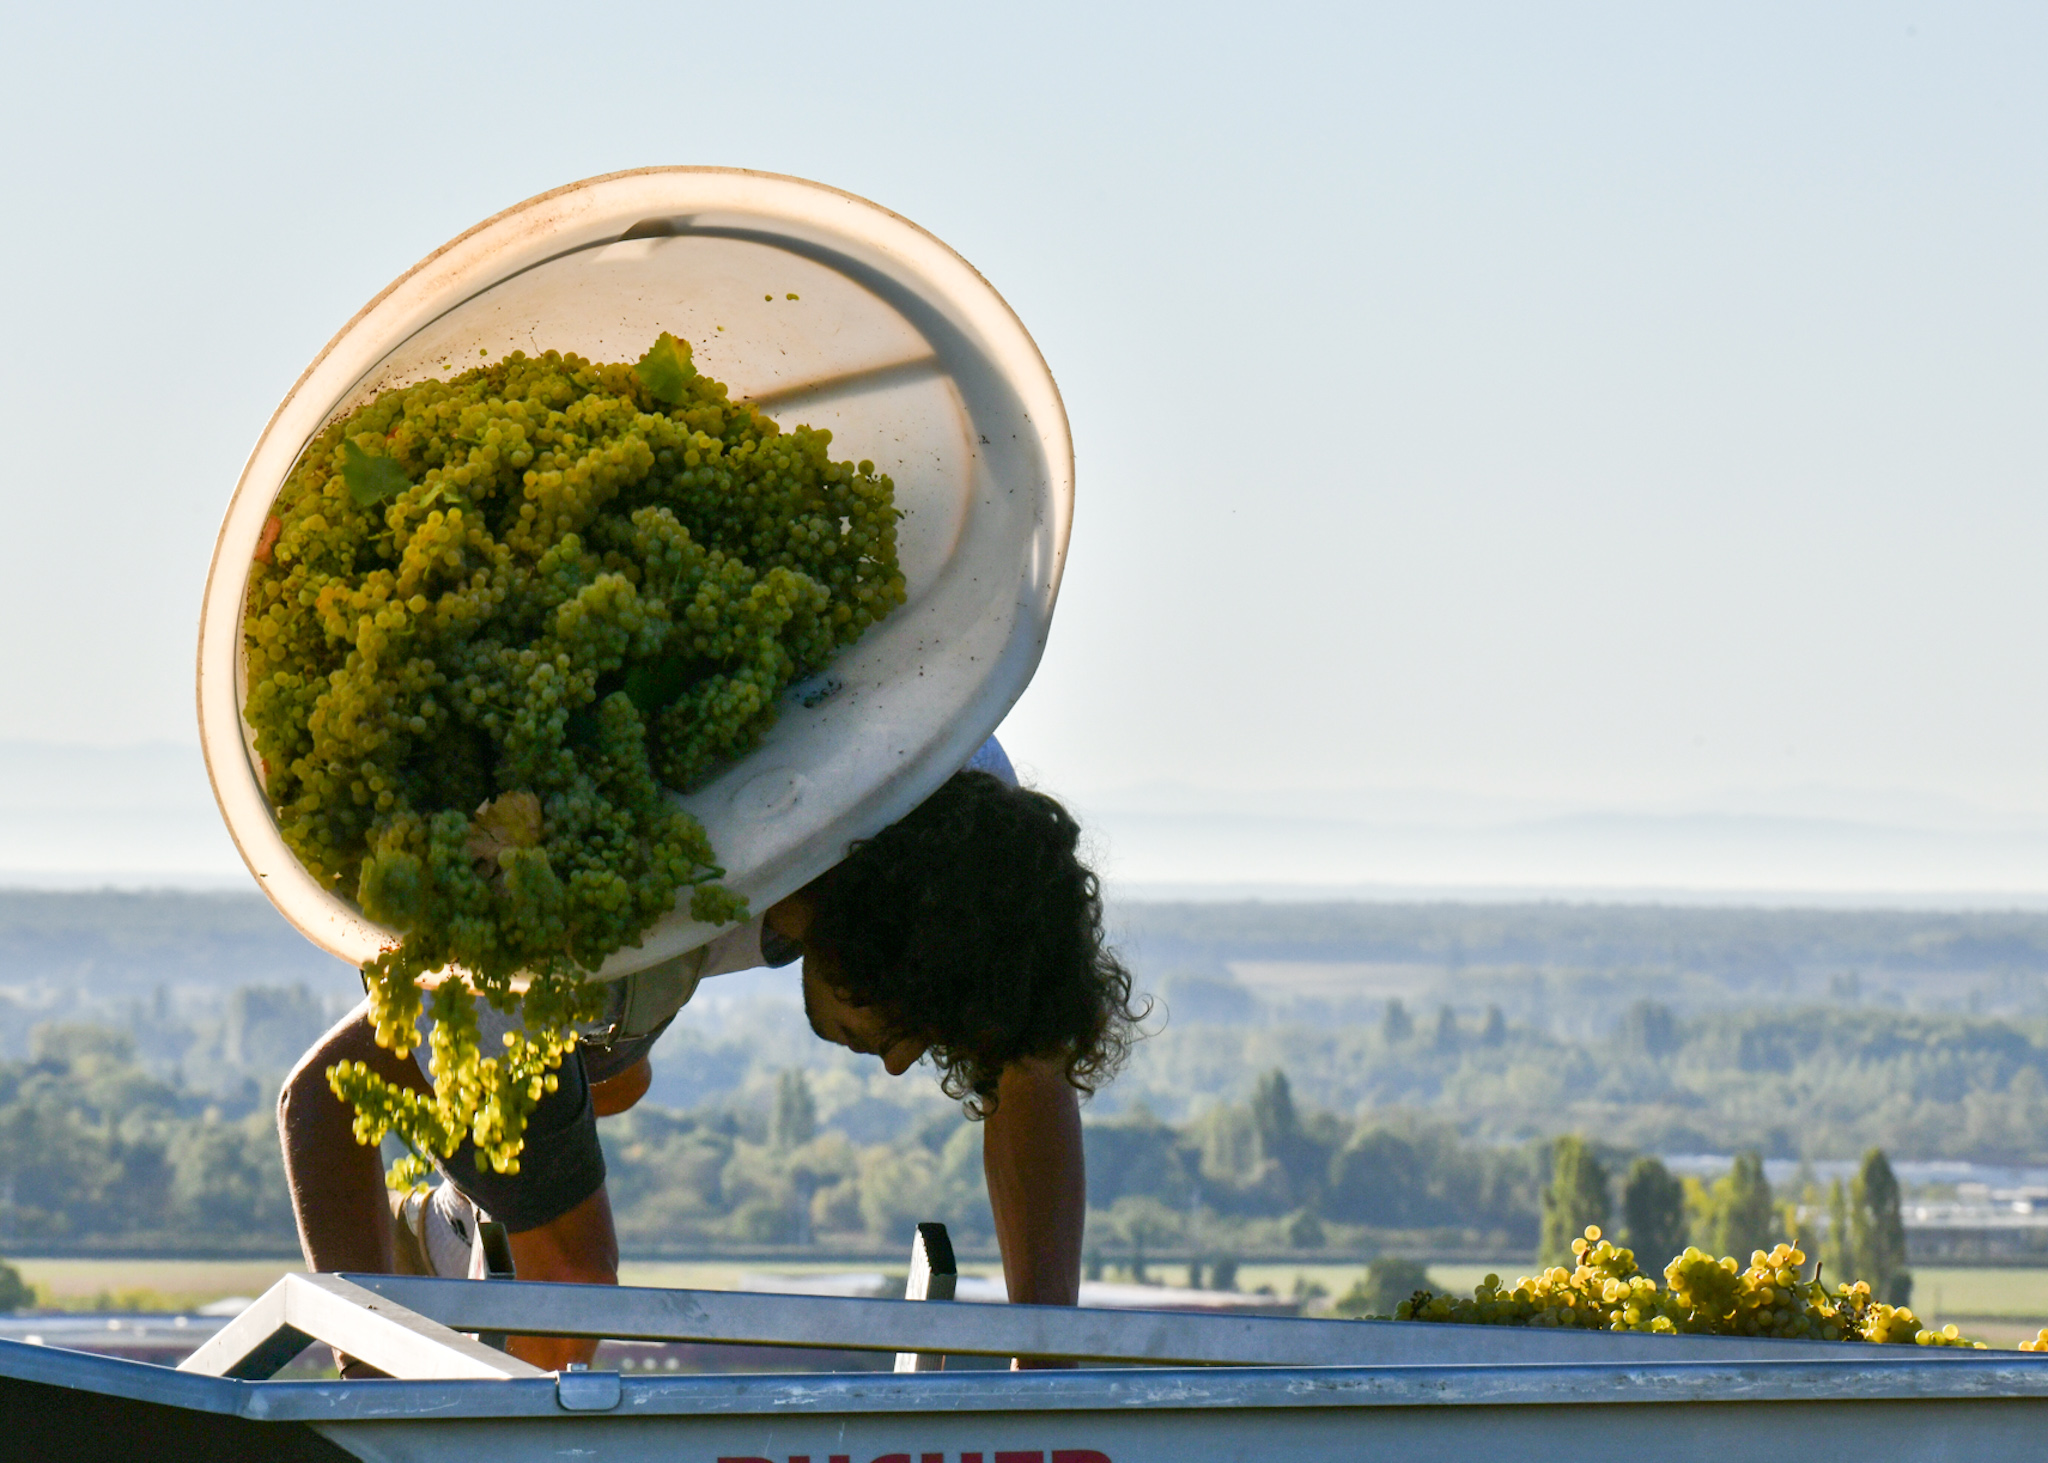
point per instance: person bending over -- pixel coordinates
(970, 932)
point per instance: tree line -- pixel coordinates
(94, 1149)
(1861, 1237)
(1820, 1082)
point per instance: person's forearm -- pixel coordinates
(337, 1184)
(580, 1247)
(1037, 1183)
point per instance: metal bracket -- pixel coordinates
(933, 1276)
(579, 1389)
(302, 1309)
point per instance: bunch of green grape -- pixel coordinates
(1700, 1296)
(493, 621)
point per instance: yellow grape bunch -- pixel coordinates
(493, 622)
(1700, 1296)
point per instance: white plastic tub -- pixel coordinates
(892, 341)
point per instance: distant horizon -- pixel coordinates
(141, 816)
(1243, 892)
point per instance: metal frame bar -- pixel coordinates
(1158, 1338)
(1883, 1374)
(1979, 1406)
(1204, 1392)
(302, 1309)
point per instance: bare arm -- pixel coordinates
(579, 1247)
(1037, 1183)
(344, 1215)
(337, 1183)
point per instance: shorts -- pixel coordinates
(563, 1163)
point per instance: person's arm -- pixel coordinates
(337, 1184)
(1037, 1184)
(579, 1247)
(344, 1212)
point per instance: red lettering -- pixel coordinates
(893, 1458)
(1078, 1455)
(970, 1458)
(931, 1458)
(1020, 1458)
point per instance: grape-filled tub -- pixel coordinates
(818, 307)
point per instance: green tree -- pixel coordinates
(1145, 1226)
(1741, 1217)
(1387, 1282)
(1649, 1029)
(1379, 1179)
(1274, 1116)
(1837, 1251)
(1877, 1234)
(1285, 1140)
(15, 1293)
(796, 1114)
(1653, 1211)
(228, 1178)
(1575, 1197)
(1305, 1231)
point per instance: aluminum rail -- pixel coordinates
(301, 1309)
(1982, 1407)
(1913, 1376)
(1159, 1338)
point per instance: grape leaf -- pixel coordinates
(665, 370)
(510, 821)
(370, 479)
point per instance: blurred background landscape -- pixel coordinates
(1326, 1085)
(1553, 647)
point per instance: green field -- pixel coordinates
(147, 1285)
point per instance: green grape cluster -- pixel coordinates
(493, 622)
(1700, 1296)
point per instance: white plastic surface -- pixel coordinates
(893, 342)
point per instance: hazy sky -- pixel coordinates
(1620, 405)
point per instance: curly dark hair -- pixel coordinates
(973, 925)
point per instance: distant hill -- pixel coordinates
(1747, 946)
(1569, 968)
(135, 941)
(120, 944)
